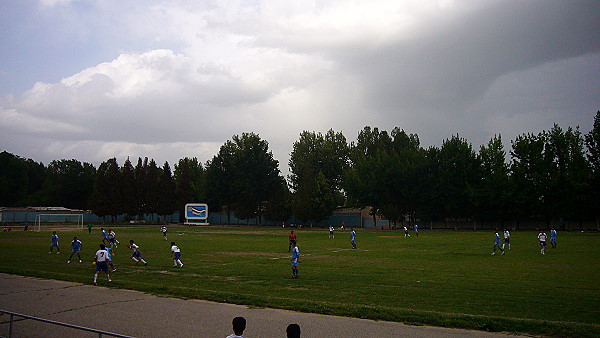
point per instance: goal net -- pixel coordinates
(58, 221)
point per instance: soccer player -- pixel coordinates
(112, 238)
(75, 249)
(295, 260)
(331, 234)
(176, 255)
(104, 235)
(109, 259)
(353, 238)
(406, 234)
(54, 243)
(239, 325)
(416, 227)
(542, 238)
(101, 263)
(136, 254)
(506, 239)
(553, 237)
(497, 243)
(164, 232)
(292, 238)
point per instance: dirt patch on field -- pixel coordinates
(23, 239)
(237, 254)
(242, 232)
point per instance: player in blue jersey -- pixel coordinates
(416, 228)
(54, 243)
(553, 238)
(101, 262)
(497, 243)
(75, 249)
(136, 254)
(353, 238)
(542, 238)
(104, 235)
(295, 260)
(109, 259)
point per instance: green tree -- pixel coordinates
(569, 174)
(14, 180)
(36, 174)
(166, 190)
(247, 174)
(189, 182)
(493, 197)
(256, 177)
(406, 172)
(279, 207)
(530, 176)
(141, 189)
(362, 179)
(592, 141)
(153, 195)
(69, 183)
(432, 205)
(459, 177)
(220, 189)
(317, 164)
(128, 189)
(315, 198)
(107, 197)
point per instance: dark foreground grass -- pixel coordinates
(441, 278)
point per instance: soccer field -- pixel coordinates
(439, 278)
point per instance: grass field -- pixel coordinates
(440, 278)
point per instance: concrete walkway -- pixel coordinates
(142, 315)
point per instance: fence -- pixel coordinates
(81, 328)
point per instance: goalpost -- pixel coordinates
(59, 218)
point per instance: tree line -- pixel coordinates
(550, 176)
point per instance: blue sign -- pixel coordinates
(196, 211)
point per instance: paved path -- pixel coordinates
(142, 315)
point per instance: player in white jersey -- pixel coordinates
(542, 238)
(406, 234)
(136, 254)
(164, 232)
(331, 232)
(176, 255)
(101, 262)
(506, 239)
(112, 239)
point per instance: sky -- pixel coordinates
(91, 80)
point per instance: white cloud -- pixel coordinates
(52, 3)
(188, 75)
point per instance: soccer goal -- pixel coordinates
(65, 220)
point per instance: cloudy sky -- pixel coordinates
(92, 80)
